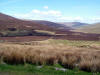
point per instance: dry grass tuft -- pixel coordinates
(85, 58)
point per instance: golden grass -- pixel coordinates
(47, 52)
(43, 31)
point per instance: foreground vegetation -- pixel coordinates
(68, 54)
(33, 70)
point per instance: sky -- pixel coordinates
(87, 11)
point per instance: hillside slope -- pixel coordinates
(10, 26)
(94, 28)
(8, 22)
(52, 24)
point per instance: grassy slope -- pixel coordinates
(95, 28)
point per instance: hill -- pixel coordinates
(10, 26)
(9, 21)
(21, 30)
(94, 28)
(74, 24)
(52, 24)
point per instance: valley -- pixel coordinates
(26, 44)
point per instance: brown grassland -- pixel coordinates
(70, 54)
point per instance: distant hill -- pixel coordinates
(74, 24)
(52, 24)
(93, 28)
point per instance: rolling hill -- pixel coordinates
(74, 24)
(94, 28)
(53, 24)
(10, 26)
(8, 22)
(20, 30)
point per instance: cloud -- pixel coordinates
(46, 7)
(35, 14)
(49, 12)
(54, 15)
(97, 19)
(69, 18)
(36, 11)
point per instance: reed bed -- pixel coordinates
(84, 58)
